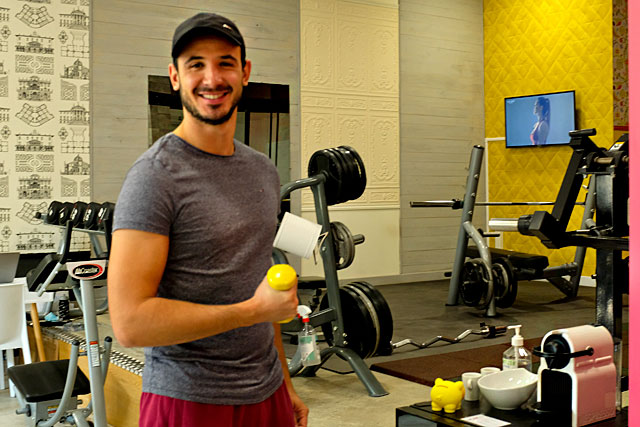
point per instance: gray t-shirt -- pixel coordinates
(220, 213)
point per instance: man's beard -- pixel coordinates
(191, 108)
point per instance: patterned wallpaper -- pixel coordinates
(620, 64)
(540, 47)
(349, 89)
(44, 116)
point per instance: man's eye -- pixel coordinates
(226, 64)
(195, 65)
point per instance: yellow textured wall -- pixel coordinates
(534, 46)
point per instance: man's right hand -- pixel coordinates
(272, 305)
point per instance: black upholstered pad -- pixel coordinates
(45, 380)
(519, 260)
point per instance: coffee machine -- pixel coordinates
(577, 376)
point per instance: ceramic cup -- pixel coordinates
(489, 370)
(470, 382)
(297, 235)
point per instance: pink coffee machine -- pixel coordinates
(577, 376)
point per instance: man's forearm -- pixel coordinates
(159, 321)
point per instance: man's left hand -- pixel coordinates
(300, 410)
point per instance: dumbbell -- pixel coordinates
(65, 213)
(90, 217)
(105, 214)
(77, 214)
(281, 277)
(52, 212)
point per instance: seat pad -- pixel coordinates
(44, 381)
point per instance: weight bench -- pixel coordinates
(42, 385)
(527, 266)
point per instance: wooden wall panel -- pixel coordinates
(441, 118)
(132, 40)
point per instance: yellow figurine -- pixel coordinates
(447, 395)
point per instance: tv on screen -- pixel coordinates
(543, 119)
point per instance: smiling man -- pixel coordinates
(193, 230)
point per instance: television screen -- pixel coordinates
(544, 119)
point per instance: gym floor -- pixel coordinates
(419, 313)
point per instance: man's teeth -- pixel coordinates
(205, 96)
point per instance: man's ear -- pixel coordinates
(246, 71)
(173, 77)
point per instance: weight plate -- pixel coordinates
(324, 162)
(364, 298)
(508, 296)
(350, 177)
(343, 245)
(358, 324)
(362, 180)
(341, 175)
(52, 212)
(383, 313)
(355, 188)
(473, 283)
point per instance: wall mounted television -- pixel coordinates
(539, 120)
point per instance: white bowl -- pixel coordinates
(508, 389)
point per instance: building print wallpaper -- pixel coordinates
(44, 116)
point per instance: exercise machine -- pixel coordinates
(47, 391)
(608, 234)
(489, 278)
(355, 318)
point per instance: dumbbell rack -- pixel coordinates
(332, 314)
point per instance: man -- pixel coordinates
(193, 230)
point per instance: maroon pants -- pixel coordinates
(163, 411)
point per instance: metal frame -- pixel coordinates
(467, 231)
(334, 312)
(97, 358)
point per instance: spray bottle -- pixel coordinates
(516, 356)
(307, 339)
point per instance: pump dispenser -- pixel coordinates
(516, 356)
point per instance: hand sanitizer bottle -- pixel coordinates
(516, 356)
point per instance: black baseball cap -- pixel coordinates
(206, 24)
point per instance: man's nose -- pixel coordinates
(213, 77)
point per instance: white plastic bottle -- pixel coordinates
(307, 344)
(516, 356)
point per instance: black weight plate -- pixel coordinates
(343, 245)
(355, 183)
(371, 337)
(473, 283)
(52, 212)
(508, 297)
(65, 213)
(77, 213)
(340, 174)
(90, 217)
(383, 313)
(321, 162)
(362, 182)
(357, 322)
(350, 176)
(373, 314)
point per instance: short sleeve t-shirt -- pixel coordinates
(220, 214)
